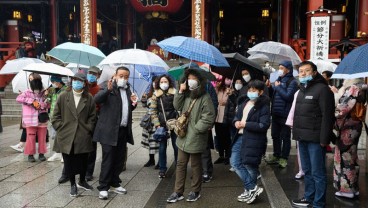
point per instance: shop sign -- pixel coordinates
(320, 35)
(198, 19)
(86, 17)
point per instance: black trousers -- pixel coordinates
(92, 160)
(75, 164)
(224, 140)
(113, 162)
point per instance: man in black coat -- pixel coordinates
(114, 130)
(312, 127)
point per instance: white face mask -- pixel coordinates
(246, 78)
(121, 83)
(164, 86)
(238, 86)
(193, 84)
(54, 85)
(280, 72)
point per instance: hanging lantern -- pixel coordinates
(157, 8)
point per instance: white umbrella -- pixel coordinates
(275, 52)
(76, 67)
(49, 69)
(20, 81)
(16, 65)
(323, 65)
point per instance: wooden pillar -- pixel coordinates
(53, 33)
(88, 14)
(363, 16)
(312, 5)
(128, 27)
(286, 20)
(198, 17)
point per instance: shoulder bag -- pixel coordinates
(180, 125)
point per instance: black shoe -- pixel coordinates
(157, 167)
(174, 197)
(301, 202)
(84, 185)
(41, 157)
(149, 163)
(89, 178)
(73, 191)
(31, 158)
(219, 160)
(63, 179)
(161, 174)
(206, 178)
(193, 196)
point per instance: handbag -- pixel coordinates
(358, 111)
(146, 122)
(180, 125)
(161, 134)
(43, 117)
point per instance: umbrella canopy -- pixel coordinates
(323, 65)
(275, 52)
(77, 67)
(49, 69)
(194, 49)
(16, 65)
(178, 71)
(78, 53)
(354, 65)
(134, 56)
(20, 81)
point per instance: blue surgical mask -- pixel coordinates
(304, 80)
(91, 78)
(77, 85)
(252, 95)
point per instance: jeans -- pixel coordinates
(248, 174)
(162, 159)
(312, 157)
(281, 135)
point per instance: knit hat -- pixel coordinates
(80, 76)
(287, 64)
(55, 78)
(94, 69)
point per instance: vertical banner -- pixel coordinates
(198, 12)
(320, 35)
(88, 22)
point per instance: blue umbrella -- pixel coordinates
(194, 49)
(354, 65)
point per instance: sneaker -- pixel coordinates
(31, 158)
(219, 160)
(103, 195)
(272, 160)
(174, 197)
(244, 196)
(54, 157)
(73, 191)
(149, 163)
(118, 190)
(282, 163)
(62, 160)
(84, 185)
(206, 178)
(63, 179)
(48, 146)
(232, 169)
(254, 193)
(17, 147)
(193, 196)
(344, 194)
(303, 202)
(161, 174)
(299, 175)
(41, 157)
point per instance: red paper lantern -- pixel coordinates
(168, 6)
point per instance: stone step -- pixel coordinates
(12, 112)
(9, 101)
(8, 107)
(11, 117)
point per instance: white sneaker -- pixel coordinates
(344, 194)
(244, 196)
(48, 146)
(118, 190)
(17, 147)
(103, 195)
(232, 169)
(62, 160)
(299, 175)
(54, 157)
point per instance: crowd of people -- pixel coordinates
(307, 109)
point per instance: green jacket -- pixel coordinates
(52, 97)
(201, 119)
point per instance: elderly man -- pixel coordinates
(313, 122)
(114, 129)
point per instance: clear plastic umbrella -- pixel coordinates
(16, 65)
(20, 81)
(323, 65)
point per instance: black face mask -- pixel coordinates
(36, 84)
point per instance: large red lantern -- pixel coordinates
(157, 8)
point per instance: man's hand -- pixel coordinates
(334, 89)
(109, 84)
(277, 83)
(133, 98)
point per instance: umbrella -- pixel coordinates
(354, 65)
(49, 69)
(78, 53)
(194, 49)
(275, 52)
(323, 65)
(77, 67)
(178, 71)
(16, 65)
(20, 81)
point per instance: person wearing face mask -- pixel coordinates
(246, 78)
(192, 91)
(282, 98)
(162, 103)
(117, 103)
(252, 121)
(312, 127)
(74, 119)
(33, 103)
(231, 106)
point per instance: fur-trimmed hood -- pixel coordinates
(159, 92)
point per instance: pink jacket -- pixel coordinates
(290, 118)
(29, 113)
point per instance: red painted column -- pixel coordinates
(53, 33)
(312, 5)
(363, 16)
(286, 19)
(128, 27)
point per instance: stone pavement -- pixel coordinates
(25, 184)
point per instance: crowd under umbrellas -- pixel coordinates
(144, 65)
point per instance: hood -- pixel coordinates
(160, 92)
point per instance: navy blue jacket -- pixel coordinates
(254, 138)
(283, 95)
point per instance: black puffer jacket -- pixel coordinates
(314, 112)
(167, 98)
